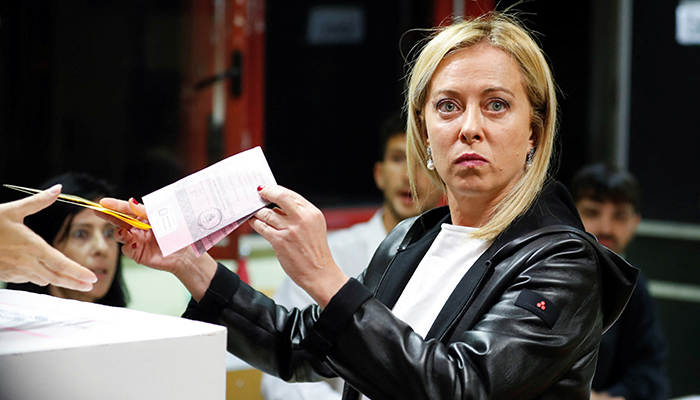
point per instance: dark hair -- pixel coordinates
(603, 182)
(47, 223)
(394, 125)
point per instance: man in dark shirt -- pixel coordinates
(633, 351)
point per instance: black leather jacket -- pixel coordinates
(524, 323)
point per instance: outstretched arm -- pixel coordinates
(26, 257)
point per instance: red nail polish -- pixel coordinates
(261, 187)
(133, 245)
(133, 200)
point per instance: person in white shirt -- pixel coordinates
(353, 247)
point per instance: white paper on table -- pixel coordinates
(204, 207)
(32, 322)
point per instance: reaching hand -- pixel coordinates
(297, 231)
(138, 244)
(141, 246)
(26, 257)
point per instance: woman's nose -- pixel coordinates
(471, 125)
(100, 244)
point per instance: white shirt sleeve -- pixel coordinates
(273, 388)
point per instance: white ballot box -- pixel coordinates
(52, 348)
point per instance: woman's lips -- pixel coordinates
(99, 272)
(470, 160)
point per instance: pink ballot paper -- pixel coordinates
(202, 208)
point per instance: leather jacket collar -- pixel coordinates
(553, 212)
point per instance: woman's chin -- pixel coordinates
(99, 290)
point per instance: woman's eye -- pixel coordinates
(80, 234)
(497, 106)
(446, 106)
(108, 233)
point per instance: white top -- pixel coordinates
(450, 256)
(352, 249)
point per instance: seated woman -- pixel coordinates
(499, 295)
(84, 238)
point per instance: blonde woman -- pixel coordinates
(498, 295)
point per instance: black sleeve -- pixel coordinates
(222, 287)
(635, 368)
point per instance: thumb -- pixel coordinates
(39, 201)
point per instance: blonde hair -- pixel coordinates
(506, 33)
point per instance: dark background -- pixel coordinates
(664, 124)
(95, 86)
(323, 142)
(663, 152)
(89, 85)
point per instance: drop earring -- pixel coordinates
(528, 158)
(430, 163)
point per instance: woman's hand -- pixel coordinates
(138, 244)
(297, 231)
(141, 246)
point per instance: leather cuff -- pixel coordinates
(335, 317)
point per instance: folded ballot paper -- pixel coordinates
(202, 208)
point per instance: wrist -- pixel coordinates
(323, 290)
(196, 273)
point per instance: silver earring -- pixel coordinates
(528, 158)
(430, 164)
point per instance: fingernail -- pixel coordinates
(120, 232)
(261, 187)
(133, 245)
(55, 189)
(133, 200)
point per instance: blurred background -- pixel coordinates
(144, 92)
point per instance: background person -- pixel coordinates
(500, 294)
(633, 351)
(25, 257)
(352, 248)
(84, 238)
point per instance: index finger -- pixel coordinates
(131, 207)
(281, 196)
(118, 206)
